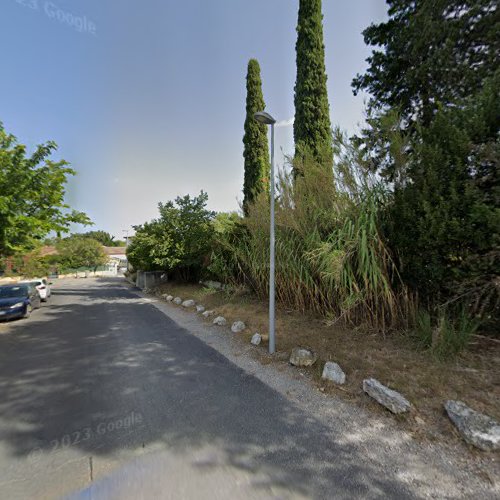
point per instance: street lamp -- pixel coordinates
(267, 119)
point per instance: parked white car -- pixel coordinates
(42, 286)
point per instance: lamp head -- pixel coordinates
(264, 118)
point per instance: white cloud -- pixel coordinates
(285, 123)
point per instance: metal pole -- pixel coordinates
(272, 340)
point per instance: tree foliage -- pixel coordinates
(178, 241)
(429, 53)
(32, 189)
(445, 219)
(312, 126)
(432, 52)
(256, 148)
(103, 237)
(77, 252)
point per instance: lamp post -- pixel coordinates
(267, 119)
(126, 236)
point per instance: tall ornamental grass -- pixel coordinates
(330, 256)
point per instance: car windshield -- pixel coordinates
(7, 292)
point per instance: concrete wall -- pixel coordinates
(150, 279)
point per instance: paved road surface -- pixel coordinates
(101, 388)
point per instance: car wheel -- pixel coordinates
(28, 312)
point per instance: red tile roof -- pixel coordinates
(115, 250)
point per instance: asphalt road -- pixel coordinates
(102, 395)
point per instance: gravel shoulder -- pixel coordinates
(429, 470)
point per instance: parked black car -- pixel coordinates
(18, 301)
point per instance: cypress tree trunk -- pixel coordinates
(312, 126)
(256, 148)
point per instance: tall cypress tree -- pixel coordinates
(312, 127)
(256, 150)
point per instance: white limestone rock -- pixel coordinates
(238, 326)
(169, 298)
(476, 428)
(333, 372)
(207, 314)
(220, 321)
(392, 400)
(188, 303)
(199, 309)
(178, 301)
(256, 339)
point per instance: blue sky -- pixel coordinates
(147, 99)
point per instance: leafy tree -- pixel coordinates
(32, 190)
(256, 148)
(434, 51)
(312, 126)
(102, 237)
(81, 252)
(178, 241)
(430, 53)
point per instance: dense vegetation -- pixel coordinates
(330, 256)
(178, 241)
(433, 136)
(403, 232)
(75, 252)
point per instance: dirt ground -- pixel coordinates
(473, 377)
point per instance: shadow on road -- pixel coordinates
(110, 371)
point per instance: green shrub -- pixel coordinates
(229, 234)
(447, 335)
(178, 242)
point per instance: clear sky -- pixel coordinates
(146, 99)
